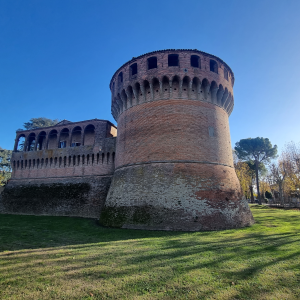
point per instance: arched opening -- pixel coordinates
(76, 137)
(42, 163)
(87, 159)
(64, 137)
(165, 87)
(98, 158)
(78, 160)
(107, 157)
(113, 157)
(213, 66)
(21, 143)
(152, 62)
(52, 139)
(65, 161)
(124, 99)
(41, 140)
(93, 157)
(89, 135)
(195, 61)
(25, 163)
(46, 162)
(31, 142)
(138, 92)
(74, 160)
(220, 94)
(185, 87)
(156, 88)
(83, 159)
(130, 95)
(60, 161)
(195, 88)
(133, 69)
(147, 90)
(103, 157)
(175, 86)
(205, 88)
(213, 92)
(173, 60)
(225, 96)
(51, 161)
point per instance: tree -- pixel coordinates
(256, 150)
(278, 172)
(261, 169)
(39, 122)
(5, 167)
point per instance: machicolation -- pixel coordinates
(169, 167)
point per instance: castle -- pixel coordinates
(169, 167)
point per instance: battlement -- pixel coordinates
(172, 74)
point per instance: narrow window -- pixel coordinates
(18, 164)
(83, 158)
(226, 74)
(102, 158)
(87, 159)
(78, 160)
(21, 164)
(195, 61)
(108, 157)
(213, 66)
(74, 160)
(120, 77)
(25, 163)
(173, 60)
(93, 159)
(152, 62)
(29, 166)
(133, 69)
(97, 158)
(65, 161)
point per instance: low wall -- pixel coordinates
(82, 196)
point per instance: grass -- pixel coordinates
(74, 258)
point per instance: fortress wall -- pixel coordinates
(71, 181)
(68, 196)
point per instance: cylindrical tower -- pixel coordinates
(174, 167)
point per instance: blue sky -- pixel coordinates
(57, 57)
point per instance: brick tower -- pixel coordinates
(174, 167)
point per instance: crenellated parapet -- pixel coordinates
(172, 74)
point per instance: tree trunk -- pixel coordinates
(251, 193)
(257, 182)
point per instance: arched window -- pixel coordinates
(60, 161)
(31, 142)
(152, 62)
(133, 69)
(98, 158)
(83, 159)
(52, 139)
(195, 61)
(89, 135)
(64, 137)
(103, 157)
(213, 66)
(74, 160)
(21, 143)
(108, 157)
(76, 137)
(225, 74)
(41, 140)
(173, 60)
(113, 157)
(93, 157)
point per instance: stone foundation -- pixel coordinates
(71, 196)
(187, 196)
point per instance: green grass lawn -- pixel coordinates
(74, 258)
